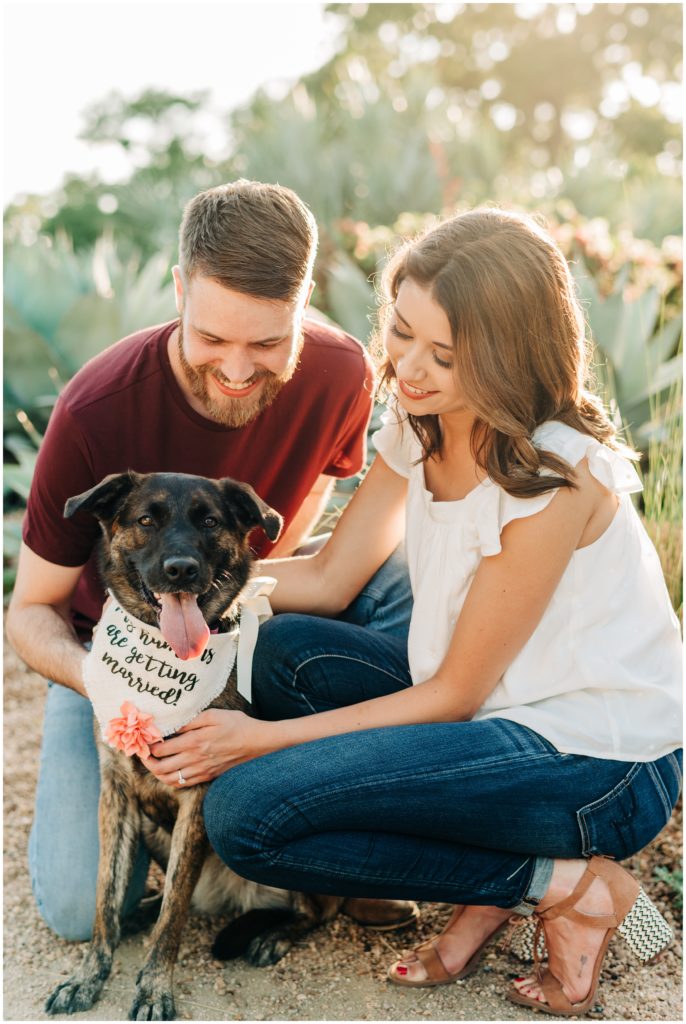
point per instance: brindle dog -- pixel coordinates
(166, 535)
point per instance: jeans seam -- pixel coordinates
(281, 859)
(677, 770)
(660, 788)
(345, 657)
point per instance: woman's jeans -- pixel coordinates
(459, 812)
(63, 846)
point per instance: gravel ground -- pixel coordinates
(337, 973)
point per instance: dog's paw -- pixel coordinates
(268, 948)
(74, 995)
(236, 938)
(152, 1001)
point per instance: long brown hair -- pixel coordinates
(520, 351)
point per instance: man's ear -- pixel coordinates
(178, 289)
(105, 499)
(309, 295)
(248, 508)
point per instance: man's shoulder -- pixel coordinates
(328, 347)
(123, 366)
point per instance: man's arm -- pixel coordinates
(38, 623)
(309, 514)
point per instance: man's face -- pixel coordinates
(234, 352)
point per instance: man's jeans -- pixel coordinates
(458, 812)
(63, 847)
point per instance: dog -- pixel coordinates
(165, 535)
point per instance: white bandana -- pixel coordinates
(131, 661)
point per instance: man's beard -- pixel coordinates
(236, 412)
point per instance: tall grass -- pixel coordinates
(663, 490)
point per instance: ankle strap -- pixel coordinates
(623, 891)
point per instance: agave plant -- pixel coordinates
(62, 308)
(638, 348)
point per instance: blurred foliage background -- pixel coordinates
(570, 110)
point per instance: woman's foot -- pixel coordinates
(572, 947)
(468, 929)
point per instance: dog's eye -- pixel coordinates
(209, 522)
(145, 521)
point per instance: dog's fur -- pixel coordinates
(145, 520)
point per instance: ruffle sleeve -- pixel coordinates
(395, 441)
(611, 469)
(497, 508)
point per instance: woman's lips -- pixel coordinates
(405, 388)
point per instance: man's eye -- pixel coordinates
(209, 522)
(145, 521)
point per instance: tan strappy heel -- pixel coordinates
(436, 972)
(634, 916)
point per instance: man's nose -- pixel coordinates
(237, 366)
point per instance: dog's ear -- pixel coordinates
(249, 509)
(105, 499)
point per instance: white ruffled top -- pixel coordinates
(601, 674)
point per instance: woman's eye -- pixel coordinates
(145, 521)
(442, 362)
(398, 334)
(209, 522)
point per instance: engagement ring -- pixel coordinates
(182, 781)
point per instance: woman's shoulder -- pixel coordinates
(395, 440)
(612, 469)
(592, 459)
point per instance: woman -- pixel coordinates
(530, 728)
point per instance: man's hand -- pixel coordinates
(213, 742)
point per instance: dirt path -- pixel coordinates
(336, 974)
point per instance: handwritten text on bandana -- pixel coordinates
(131, 661)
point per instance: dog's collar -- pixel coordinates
(131, 661)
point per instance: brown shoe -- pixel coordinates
(381, 915)
(636, 919)
(436, 972)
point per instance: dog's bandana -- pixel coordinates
(131, 663)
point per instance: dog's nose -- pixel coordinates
(181, 570)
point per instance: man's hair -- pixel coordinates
(252, 237)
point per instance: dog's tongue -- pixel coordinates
(183, 626)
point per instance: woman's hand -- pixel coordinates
(213, 742)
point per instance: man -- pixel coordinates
(242, 385)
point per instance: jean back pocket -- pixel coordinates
(627, 818)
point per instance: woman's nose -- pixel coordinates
(411, 364)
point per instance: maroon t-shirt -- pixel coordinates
(125, 410)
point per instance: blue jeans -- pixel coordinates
(63, 846)
(456, 812)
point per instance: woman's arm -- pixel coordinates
(306, 518)
(503, 607)
(369, 530)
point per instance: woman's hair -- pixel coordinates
(252, 237)
(520, 351)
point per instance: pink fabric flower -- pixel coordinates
(132, 732)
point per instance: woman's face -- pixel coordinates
(419, 344)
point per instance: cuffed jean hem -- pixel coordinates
(537, 888)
